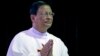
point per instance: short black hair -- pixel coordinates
(35, 6)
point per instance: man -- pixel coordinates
(36, 41)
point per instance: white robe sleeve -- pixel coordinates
(14, 49)
(17, 48)
(64, 49)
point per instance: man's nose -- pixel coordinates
(48, 17)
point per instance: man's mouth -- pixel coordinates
(47, 22)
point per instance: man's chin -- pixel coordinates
(48, 26)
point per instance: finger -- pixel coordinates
(48, 45)
(50, 52)
(50, 42)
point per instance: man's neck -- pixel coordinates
(40, 29)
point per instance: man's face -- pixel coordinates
(44, 17)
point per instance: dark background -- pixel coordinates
(66, 23)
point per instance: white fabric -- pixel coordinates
(26, 43)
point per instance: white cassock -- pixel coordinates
(28, 42)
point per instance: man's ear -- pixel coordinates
(32, 17)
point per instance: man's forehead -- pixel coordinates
(44, 8)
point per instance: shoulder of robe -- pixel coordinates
(55, 38)
(18, 36)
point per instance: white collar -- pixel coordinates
(37, 32)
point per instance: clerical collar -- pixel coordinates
(38, 33)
